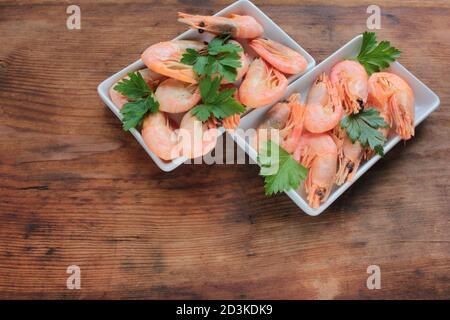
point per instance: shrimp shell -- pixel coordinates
(164, 58)
(350, 78)
(323, 106)
(318, 153)
(196, 138)
(283, 124)
(279, 56)
(395, 98)
(160, 136)
(263, 85)
(349, 158)
(235, 25)
(175, 96)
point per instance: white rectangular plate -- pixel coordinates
(426, 101)
(242, 7)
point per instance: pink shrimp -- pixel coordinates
(394, 98)
(323, 106)
(175, 96)
(263, 85)
(350, 78)
(235, 25)
(196, 138)
(318, 153)
(349, 158)
(286, 118)
(164, 58)
(279, 56)
(160, 136)
(192, 139)
(151, 78)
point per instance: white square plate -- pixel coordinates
(242, 7)
(426, 101)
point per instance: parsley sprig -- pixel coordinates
(142, 100)
(363, 126)
(219, 103)
(281, 172)
(375, 57)
(219, 57)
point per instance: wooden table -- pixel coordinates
(77, 190)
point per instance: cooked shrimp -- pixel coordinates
(262, 85)
(160, 136)
(279, 56)
(349, 156)
(150, 77)
(270, 128)
(395, 98)
(318, 153)
(164, 58)
(192, 139)
(245, 63)
(350, 78)
(196, 138)
(323, 106)
(175, 96)
(283, 124)
(235, 25)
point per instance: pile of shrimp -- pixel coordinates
(312, 134)
(261, 81)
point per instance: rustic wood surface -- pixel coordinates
(76, 189)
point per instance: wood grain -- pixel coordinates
(76, 189)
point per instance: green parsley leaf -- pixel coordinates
(281, 172)
(209, 89)
(227, 109)
(200, 65)
(379, 150)
(142, 100)
(231, 60)
(218, 45)
(229, 73)
(135, 111)
(219, 103)
(202, 112)
(363, 127)
(134, 87)
(190, 56)
(219, 57)
(375, 57)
